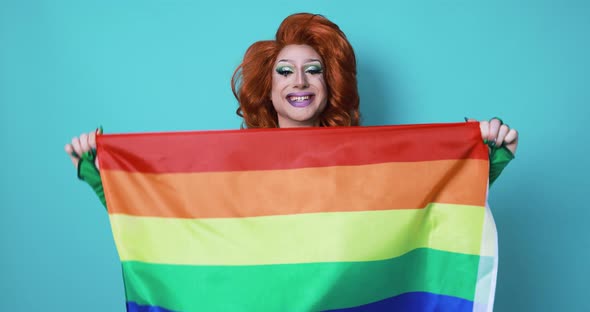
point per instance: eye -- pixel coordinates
(284, 71)
(314, 70)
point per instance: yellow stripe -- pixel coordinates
(318, 237)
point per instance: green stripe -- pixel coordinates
(299, 287)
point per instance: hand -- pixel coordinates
(500, 134)
(80, 145)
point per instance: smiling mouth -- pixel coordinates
(299, 99)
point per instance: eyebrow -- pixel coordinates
(306, 61)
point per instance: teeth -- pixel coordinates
(299, 98)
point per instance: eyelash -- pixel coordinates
(314, 70)
(283, 71)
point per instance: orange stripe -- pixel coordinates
(384, 186)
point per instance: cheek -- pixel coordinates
(276, 87)
(323, 88)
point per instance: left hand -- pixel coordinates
(501, 134)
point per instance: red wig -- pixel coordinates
(252, 80)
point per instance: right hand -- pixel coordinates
(80, 145)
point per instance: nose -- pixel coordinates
(301, 80)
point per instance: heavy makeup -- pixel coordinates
(299, 92)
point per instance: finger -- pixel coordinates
(502, 134)
(84, 143)
(511, 141)
(494, 129)
(511, 136)
(92, 143)
(77, 147)
(92, 140)
(498, 119)
(70, 151)
(484, 126)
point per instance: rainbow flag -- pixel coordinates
(389, 218)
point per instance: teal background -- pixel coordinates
(67, 67)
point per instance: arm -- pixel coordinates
(88, 171)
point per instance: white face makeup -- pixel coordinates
(299, 93)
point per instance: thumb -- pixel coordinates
(73, 156)
(98, 131)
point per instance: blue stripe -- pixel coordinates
(134, 307)
(415, 302)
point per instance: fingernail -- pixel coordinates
(99, 130)
(500, 120)
(74, 154)
(466, 119)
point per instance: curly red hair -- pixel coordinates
(252, 80)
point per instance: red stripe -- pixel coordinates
(272, 149)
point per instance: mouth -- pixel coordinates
(300, 99)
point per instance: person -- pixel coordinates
(306, 77)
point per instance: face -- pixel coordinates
(299, 93)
